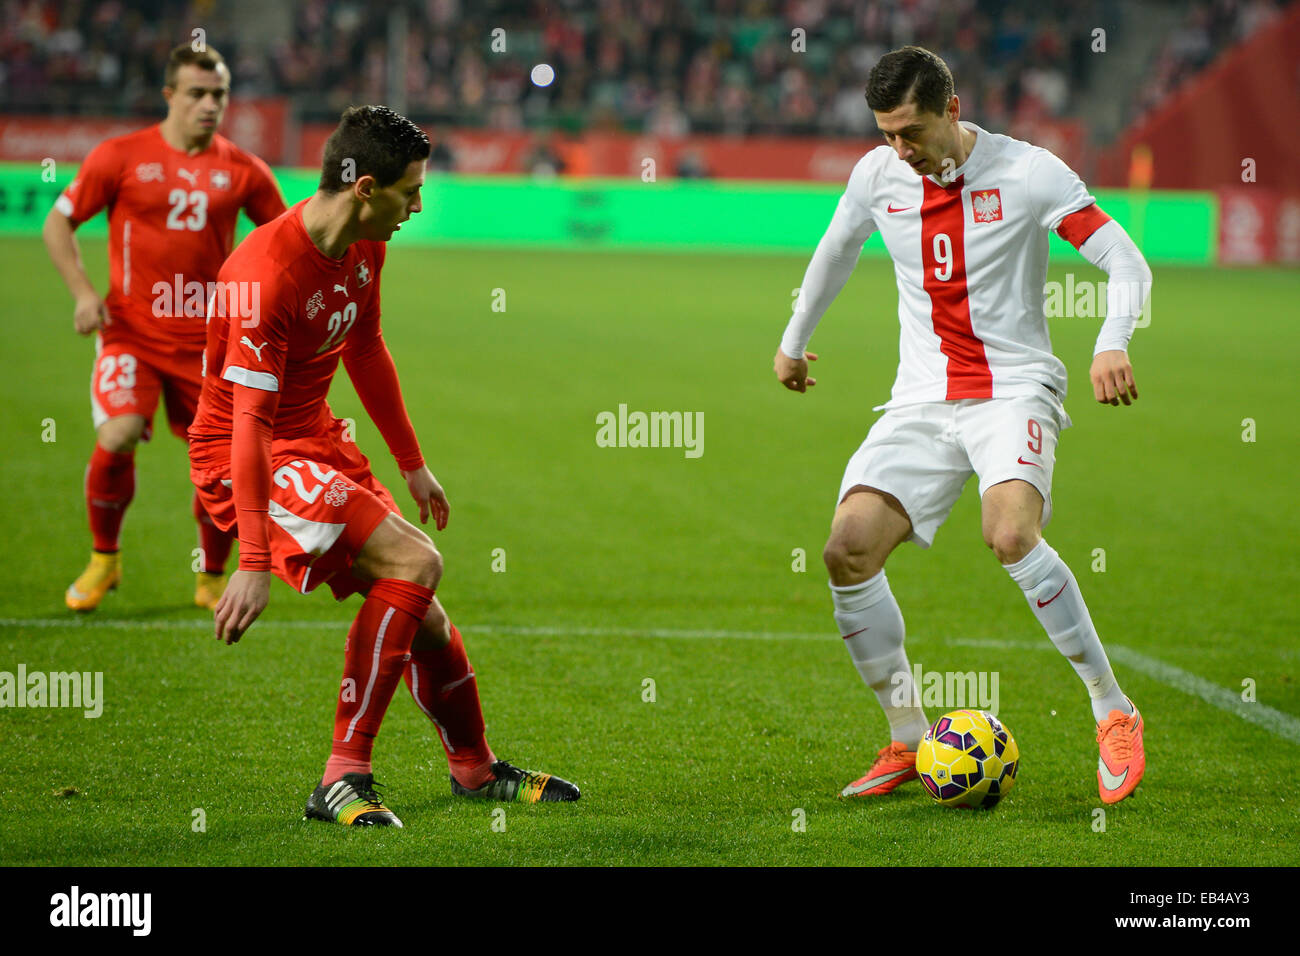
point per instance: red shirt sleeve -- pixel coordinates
(264, 201)
(374, 376)
(250, 473)
(370, 366)
(255, 359)
(95, 185)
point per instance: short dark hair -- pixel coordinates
(910, 73)
(379, 142)
(185, 54)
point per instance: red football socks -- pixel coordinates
(214, 543)
(378, 649)
(442, 683)
(110, 486)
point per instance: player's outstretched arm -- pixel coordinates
(793, 373)
(245, 598)
(1127, 288)
(1063, 204)
(249, 590)
(428, 494)
(1112, 378)
(90, 312)
(829, 269)
(370, 366)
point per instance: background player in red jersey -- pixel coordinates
(268, 454)
(173, 193)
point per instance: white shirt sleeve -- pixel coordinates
(1127, 287)
(832, 262)
(1054, 190)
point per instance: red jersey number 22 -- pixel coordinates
(339, 324)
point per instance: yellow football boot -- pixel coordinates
(208, 589)
(102, 575)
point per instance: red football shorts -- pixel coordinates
(325, 504)
(128, 379)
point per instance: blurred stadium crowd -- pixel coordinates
(668, 67)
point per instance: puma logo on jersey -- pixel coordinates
(257, 349)
(191, 177)
(341, 288)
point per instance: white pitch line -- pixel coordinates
(550, 631)
(1261, 715)
(77, 623)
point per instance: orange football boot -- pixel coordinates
(894, 765)
(1122, 760)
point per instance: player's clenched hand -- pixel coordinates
(1112, 378)
(793, 373)
(90, 315)
(428, 494)
(245, 598)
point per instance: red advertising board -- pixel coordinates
(255, 125)
(477, 152)
(1258, 225)
(263, 127)
(625, 154)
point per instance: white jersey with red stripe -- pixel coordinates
(970, 259)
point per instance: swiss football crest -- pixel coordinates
(219, 179)
(986, 204)
(362, 273)
(150, 173)
(315, 304)
(338, 493)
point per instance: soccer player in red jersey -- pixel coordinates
(269, 457)
(173, 193)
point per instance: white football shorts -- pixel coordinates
(923, 454)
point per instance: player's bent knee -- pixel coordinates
(424, 564)
(121, 433)
(849, 562)
(1011, 544)
(397, 549)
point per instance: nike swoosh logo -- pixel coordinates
(1108, 779)
(856, 633)
(877, 781)
(890, 208)
(1021, 460)
(1054, 596)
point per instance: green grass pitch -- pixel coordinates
(627, 565)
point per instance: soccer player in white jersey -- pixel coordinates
(965, 215)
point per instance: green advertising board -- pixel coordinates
(620, 214)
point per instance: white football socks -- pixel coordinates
(872, 627)
(1054, 597)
